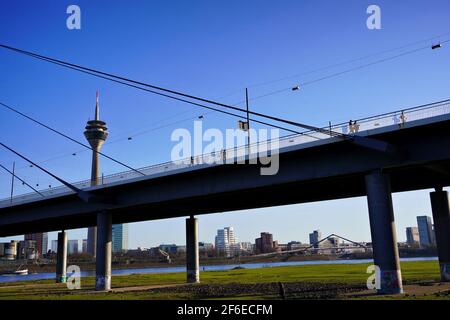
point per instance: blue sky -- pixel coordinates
(213, 49)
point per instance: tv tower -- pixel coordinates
(96, 133)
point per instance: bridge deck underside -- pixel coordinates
(326, 172)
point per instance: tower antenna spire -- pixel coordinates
(97, 112)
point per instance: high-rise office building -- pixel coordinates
(225, 241)
(44, 243)
(120, 237)
(54, 246)
(315, 237)
(72, 246)
(412, 235)
(426, 233)
(84, 246)
(41, 242)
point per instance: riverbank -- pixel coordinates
(121, 264)
(118, 264)
(326, 281)
(174, 269)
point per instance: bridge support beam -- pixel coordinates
(104, 246)
(61, 258)
(441, 216)
(192, 255)
(384, 238)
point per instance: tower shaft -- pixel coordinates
(96, 133)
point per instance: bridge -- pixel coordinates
(399, 151)
(316, 247)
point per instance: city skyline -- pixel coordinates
(311, 237)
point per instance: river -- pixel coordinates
(51, 275)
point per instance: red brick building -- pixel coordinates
(265, 243)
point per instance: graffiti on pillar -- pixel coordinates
(100, 282)
(445, 271)
(62, 279)
(103, 282)
(390, 279)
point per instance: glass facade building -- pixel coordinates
(412, 235)
(426, 234)
(120, 237)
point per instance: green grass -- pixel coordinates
(349, 274)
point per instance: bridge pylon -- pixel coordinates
(192, 254)
(440, 206)
(104, 252)
(384, 238)
(61, 258)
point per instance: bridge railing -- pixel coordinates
(400, 118)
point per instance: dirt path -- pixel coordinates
(144, 288)
(420, 289)
(296, 290)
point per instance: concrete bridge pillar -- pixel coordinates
(441, 216)
(382, 228)
(104, 246)
(61, 258)
(192, 256)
